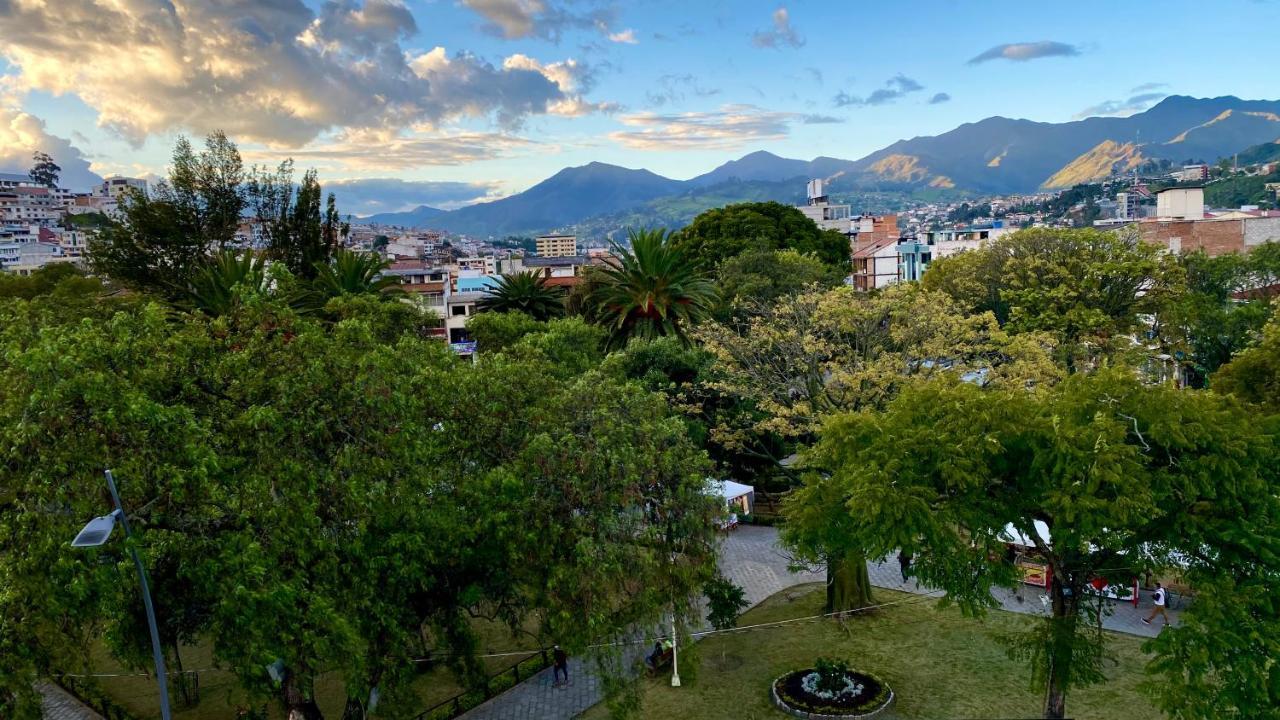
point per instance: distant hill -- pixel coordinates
(997, 155)
(421, 215)
(1264, 153)
(571, 195)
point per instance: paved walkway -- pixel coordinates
(751, 558)
(58, 704)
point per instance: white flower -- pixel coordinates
(851, 688)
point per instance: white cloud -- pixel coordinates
(548, 20)
(22, 134)
(1022, 52)
(1122, 108)
(273, 71)
(781, 34)
(729, 127)
(627, 37)
(366, 196)
(375, 150)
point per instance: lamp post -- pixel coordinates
(95, 533)
(675, 657)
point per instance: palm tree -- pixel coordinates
(218, 286)
(526, 293)
(354, 273)
(651, 290)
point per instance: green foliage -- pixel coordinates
(62, 279)
(831, 674)
(650, 290)
(351, 272)
(1254, 374)
(298, 233)
(1123, 474)
(526, 293)
(719, 234)
(162, 239)
(225, 281)
(44, 171)
(762, 276)
(331, 491)
(1088, 288)
(725, 602)
(1237, 190)
(497, 331)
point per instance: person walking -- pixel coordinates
(561, 662)
(904, 564)
(1160, 597)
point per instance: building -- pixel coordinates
(1192, 173)
(459, 307)
(916, 252)
(485, 264)
(1180, 203)
(873, 250)
(116, 186)
(825, 215)
(31, 205)
(549, 246)
(1215, 236)
(563, 271)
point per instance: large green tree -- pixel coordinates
(161, 239)
(331, 516)
(1254, 374)
(44, 171)
(1091, 289)
(795, 363)
(1127, 478)
(719, 234)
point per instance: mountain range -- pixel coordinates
(997, 155)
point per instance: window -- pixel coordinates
(457, 310)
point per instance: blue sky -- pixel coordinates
(521, 88)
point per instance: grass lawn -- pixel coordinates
(939, 663)
(221, 694)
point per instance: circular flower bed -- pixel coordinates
(848, 695)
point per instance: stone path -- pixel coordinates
(750, 557)
(58, 704)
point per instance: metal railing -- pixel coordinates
(494, 685)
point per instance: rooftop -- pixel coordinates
(566, 261)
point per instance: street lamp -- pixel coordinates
(95, 533)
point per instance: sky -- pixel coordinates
(446, 102)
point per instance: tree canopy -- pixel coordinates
(1127, 478)
(719, 234)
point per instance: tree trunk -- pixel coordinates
(848, 583)
(299, 701)
(1062, 628)
(354, 710)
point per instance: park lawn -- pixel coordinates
(939, 663)
(221, 694)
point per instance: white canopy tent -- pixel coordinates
(737, 497)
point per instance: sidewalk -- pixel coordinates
(751, 558)
(58, 704)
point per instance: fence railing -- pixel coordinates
(494, 685)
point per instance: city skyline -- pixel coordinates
(447, 103)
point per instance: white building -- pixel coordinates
(116, 186)
(820, 210)
(1178, 203)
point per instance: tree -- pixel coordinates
(495, 332)
(336, 516)
(298, 233)
(44, 171)
(1090, 289)
(354, 273)
(526, 293)
(761, 276)
(797, 362)
(725, 602)
(1254, 374)
(719, 234)
(225, 281)
(650, 290)
(161, 240)
(1127, 478)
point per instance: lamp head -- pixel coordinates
(96, 531)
